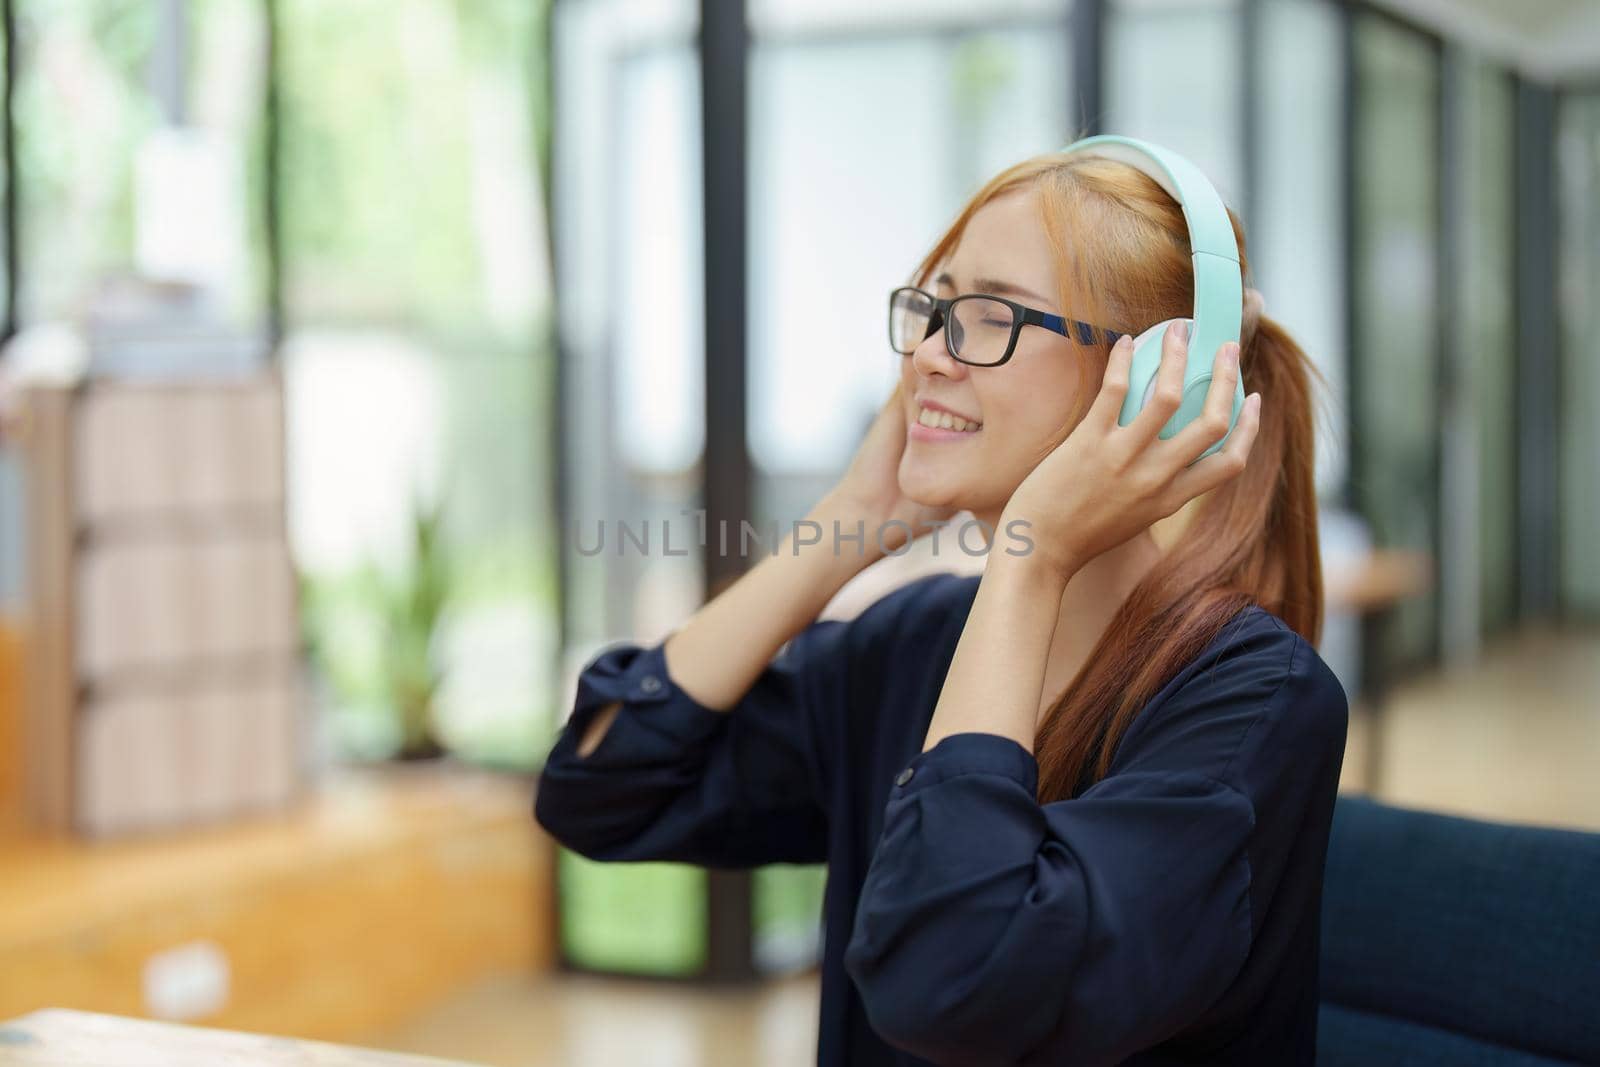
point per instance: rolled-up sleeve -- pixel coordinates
(674, 780)
(992, 929)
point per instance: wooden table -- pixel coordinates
(57, 1037)
(1377, 580)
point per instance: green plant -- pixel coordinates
(413, 603)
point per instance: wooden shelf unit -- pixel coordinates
(164, 681)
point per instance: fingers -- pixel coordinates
(1212, 423)
(1224, 464)
(1168, 393)
(1114, 388)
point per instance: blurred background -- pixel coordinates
(324, 323)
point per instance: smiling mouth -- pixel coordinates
(943, 420)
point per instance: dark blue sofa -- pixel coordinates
(1455, 941)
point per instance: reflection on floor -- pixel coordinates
(1516, 737)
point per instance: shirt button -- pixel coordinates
(904, 776)
(650, 684)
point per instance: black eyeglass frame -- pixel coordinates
(1021, 315)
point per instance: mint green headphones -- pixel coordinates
(1218, 283)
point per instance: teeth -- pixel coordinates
(943, 420)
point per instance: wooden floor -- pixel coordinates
(1516, 737)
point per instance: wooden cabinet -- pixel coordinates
(164, 681)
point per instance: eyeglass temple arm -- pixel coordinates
(1085, 331)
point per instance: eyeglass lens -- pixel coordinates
(978, 329)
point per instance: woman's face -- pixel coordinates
(1021, 405)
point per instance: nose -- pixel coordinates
(932, 357)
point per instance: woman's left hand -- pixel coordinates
(1105, 482)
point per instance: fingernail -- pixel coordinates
(1233, 354)
(1180, 330)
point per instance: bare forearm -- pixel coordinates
(719, 652)
(996, 676)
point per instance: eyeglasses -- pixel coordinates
(980, 330)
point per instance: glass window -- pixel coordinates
(227, 104)
(134, 162)
(913, 122)
(417, 294)
(629, 233)
(635, 918)
(656, 322)
(1485, 279)
(1579, 162)
(82, 76)
(791, 19)
(1296, 239)
(628, 187)
(1173, 74)
(1395, 347)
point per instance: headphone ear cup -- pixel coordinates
(1142, 372)
(1142, 376)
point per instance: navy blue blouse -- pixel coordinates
(1167, 914)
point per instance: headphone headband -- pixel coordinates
(1218, 278)
(1210, 231)
(1218, 286)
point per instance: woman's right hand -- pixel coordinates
(870, 488)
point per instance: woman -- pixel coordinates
(1075, 809)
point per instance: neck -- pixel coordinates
(1093, 595)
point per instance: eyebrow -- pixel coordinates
(993, 285)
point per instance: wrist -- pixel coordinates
(1040, 559)
(1032, 570)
